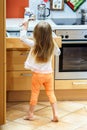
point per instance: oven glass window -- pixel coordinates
(73, 58)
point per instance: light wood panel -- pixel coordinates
(2, 64)
(15, 43)
(19, 80)
(25, 95)
(70, 84)
(16, 59)
(71, 94)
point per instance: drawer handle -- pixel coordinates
(24, 54)
(79, 83)
(23, 74)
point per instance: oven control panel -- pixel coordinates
(76, 34)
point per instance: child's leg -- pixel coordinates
(34, 97)
(55, 114)
(30, 115)
(50, 93)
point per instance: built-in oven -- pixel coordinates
(72, 63)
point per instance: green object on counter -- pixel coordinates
(78, 4)
(74, 5)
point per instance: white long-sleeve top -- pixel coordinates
(31, 63)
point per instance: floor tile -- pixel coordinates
(83, 127)
(57, 126)
(10, 104)
(47, 112)
(14, 126)
(39, 121)
(44, 103)
(14, 114)
(72, 116)
(82, 111)
(25, 107)
(75, 119)
(69, 105)
(82, 102)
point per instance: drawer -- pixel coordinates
(19, 80)
(16, 59)
(70, 84)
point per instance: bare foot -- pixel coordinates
(29, 118)
(55, 119)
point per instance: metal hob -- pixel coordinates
(69, 21)
(71, 34)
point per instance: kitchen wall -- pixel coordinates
(15, 8)
(66, 13)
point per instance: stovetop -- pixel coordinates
(69, 21)
(71, 34)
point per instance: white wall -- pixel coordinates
(66, 13)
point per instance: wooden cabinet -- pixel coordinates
(18, 80)
(2, 64)
(71, 89)
(70, 84)
(16, 59)
(17, 77)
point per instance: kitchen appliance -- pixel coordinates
(43, 12)
(68, 21)
(84, 15)
(72, 63)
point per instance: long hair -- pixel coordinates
(44, 45)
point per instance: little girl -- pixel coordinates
(39, 61)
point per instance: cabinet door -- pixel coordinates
(19, 80)
(70, 84)
(2, 63)
(16, 59)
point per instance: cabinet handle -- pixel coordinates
(23, 74)
(79, 83)
(24, 54)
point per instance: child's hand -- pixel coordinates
(25, 25)
(26, 22)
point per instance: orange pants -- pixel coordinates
(39, 80)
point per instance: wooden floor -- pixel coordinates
(72, 116)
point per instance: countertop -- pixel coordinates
(13, 24)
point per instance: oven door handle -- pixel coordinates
(74, 42)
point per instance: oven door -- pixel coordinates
(72, 63)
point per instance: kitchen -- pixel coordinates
(67, 92)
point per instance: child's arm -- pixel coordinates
(57, 40)
(23, 34)
(57, 44)
(56, 49)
